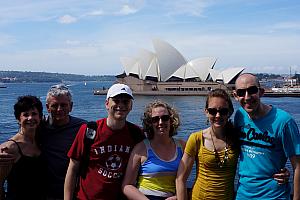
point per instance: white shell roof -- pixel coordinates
(136, 69)
(145, 59)
(197, 68)
(228, 74)
(214, 74)
(168, 62)
(202, 66)
(128, 64)
(168, 57)
(153, 69)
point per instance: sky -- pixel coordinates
(89, 36)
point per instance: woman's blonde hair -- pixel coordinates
(147, 118)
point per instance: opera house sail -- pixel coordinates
(167, 71)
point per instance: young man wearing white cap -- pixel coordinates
(108, 154)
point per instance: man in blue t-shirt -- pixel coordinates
(269, 136)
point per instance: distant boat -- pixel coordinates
(295, 89)
(85, 83)
(291, 85)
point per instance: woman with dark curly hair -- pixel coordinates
(24, 176)
(153, 164)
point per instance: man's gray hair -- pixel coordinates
(59, 90)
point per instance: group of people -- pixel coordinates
(63, 157)
(44, 139)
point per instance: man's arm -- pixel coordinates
(7, 157)
(183, 172)
(295, 160)
(282, 177)
(71, 179)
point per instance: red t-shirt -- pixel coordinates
(109, 156)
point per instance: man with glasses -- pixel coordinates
(57, 134)
(100, 177)
(269, 136)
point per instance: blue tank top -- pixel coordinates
(157, 176)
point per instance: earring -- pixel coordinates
(207, 121)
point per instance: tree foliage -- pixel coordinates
(20, 76)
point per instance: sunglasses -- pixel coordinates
(60, 87)
(163, 118)
(214, 111)
(250, 90)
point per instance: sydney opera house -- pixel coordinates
(167, 70)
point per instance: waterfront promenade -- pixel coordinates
(194, 93)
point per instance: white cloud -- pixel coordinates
(128, 25)
(287, 25)
(73, 42)
(6, 40)
(96, 13)
(67, 19)
(257, 53)
(187, 7)
(127, 10)
(13, 10)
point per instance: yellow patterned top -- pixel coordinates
(212, 182)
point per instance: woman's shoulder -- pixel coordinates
(181, 142)
(199, 134)
(140, 147)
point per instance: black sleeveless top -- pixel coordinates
(25, 178)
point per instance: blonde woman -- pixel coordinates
(153, 164)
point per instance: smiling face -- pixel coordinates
(59, 107)
(161, 123)
(248, 99)
(119, 106)
(217, 119)
(30, 119)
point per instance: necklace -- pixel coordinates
(220, 162)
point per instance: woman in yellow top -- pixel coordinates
(216, 152)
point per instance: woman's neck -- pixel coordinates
(27, 135)
(162, 140)
(217, 132)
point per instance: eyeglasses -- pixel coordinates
(251, 90)
(163, 118)
(214, 111)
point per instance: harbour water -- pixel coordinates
(91, 107)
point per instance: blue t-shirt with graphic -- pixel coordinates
(266, 144)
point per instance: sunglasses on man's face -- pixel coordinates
(250, 90)
(59, 86)
(163, 118)
(214, 111)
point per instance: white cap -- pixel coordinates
(117, 89)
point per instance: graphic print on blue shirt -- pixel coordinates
(266, 144)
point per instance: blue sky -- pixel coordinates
(89, 37)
